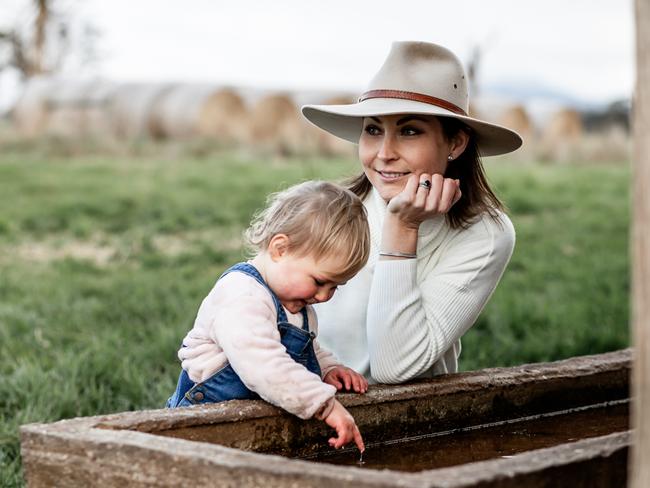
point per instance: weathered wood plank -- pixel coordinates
(640, 458)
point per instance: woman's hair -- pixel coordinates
(476, 198)
(321, 220)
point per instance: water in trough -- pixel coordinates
(489, 441)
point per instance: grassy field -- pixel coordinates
(104, 261)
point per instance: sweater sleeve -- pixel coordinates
(245, 327)
(326, 359)
(416, 312)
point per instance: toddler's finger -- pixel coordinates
(357, 383)
(331, 379)
(358, 440)
(338, 442)
(346, 379)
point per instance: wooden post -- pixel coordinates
(640, 249)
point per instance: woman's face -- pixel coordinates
(392, 147)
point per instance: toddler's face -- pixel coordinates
(298, 281)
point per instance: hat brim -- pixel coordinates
(345, 121)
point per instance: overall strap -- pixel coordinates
(252, 271)
(305, 320)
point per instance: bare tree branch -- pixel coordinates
(47, 41)
(42, 17)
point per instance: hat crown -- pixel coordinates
(423, 68)
(416, 78)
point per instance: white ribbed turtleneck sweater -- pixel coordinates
(401, 319)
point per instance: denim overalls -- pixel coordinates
(225, 383)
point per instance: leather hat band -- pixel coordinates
(417, 97)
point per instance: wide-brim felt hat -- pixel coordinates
(416, 78)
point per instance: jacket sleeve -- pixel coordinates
(413, 319)
(245, 327)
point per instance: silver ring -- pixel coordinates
(425, 184)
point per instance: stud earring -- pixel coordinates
(450, 158)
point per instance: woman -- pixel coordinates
(440, 240)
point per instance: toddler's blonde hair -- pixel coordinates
(321, 219)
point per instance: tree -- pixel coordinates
(45, 39)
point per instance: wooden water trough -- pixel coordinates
(471, 417)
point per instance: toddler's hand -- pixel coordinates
(346, 429)
(341, 377)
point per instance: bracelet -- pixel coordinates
(397, 254)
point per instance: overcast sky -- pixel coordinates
(581, 47)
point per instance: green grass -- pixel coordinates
(104, 261)
(566, 289)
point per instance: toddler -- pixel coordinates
(255, 333)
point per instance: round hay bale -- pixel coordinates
(564, 126)
(97, 122)
(325, 143)
(199, 111)
(66, 104)
(224, 117)
(276, 125)
(562, 136)
(30, 112)
(130, 105)
(174, 114)
(517, 119)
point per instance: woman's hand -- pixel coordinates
(341, 377)
(416, 203)
(346, 428)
